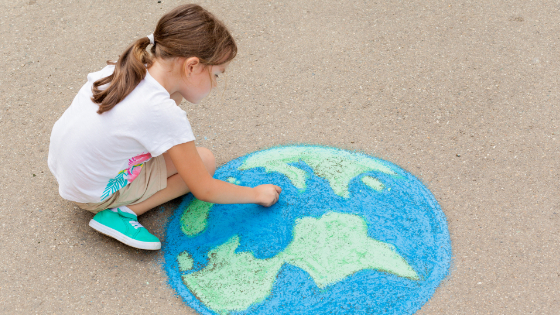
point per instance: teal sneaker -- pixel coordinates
(125, 228)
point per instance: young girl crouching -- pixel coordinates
(124, 146)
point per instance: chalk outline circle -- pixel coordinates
(445, 249)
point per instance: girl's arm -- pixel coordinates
(193, 172)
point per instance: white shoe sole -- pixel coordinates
(123, 238)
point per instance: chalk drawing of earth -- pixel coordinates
(351, 234)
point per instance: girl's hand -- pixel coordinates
(267, 195)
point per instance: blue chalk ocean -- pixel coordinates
(404, 214)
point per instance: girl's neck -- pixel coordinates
(165, 72)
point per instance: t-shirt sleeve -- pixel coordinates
(165, 127)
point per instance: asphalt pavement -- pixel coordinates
(462, 94)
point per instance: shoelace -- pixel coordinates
(135, 224)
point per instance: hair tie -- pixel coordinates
(152, 40)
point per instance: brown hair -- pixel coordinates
(186, 31)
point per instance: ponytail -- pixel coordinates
(186, 31)
(130, 69)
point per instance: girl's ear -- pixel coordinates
(190, 65)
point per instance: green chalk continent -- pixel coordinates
(329, 249)
(185, 261)
(233, 281)
(195, 218)
(373, 183)
(336, 246)
(337, 167)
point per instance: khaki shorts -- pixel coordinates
(152, 178)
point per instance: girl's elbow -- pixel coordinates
(203, 195)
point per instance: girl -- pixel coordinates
(124, 146)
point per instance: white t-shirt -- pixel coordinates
(92, 156)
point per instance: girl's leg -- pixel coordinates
(175, 185)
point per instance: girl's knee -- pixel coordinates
(208, 159)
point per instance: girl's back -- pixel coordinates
(92, 155)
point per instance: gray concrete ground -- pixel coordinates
(463, 94)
